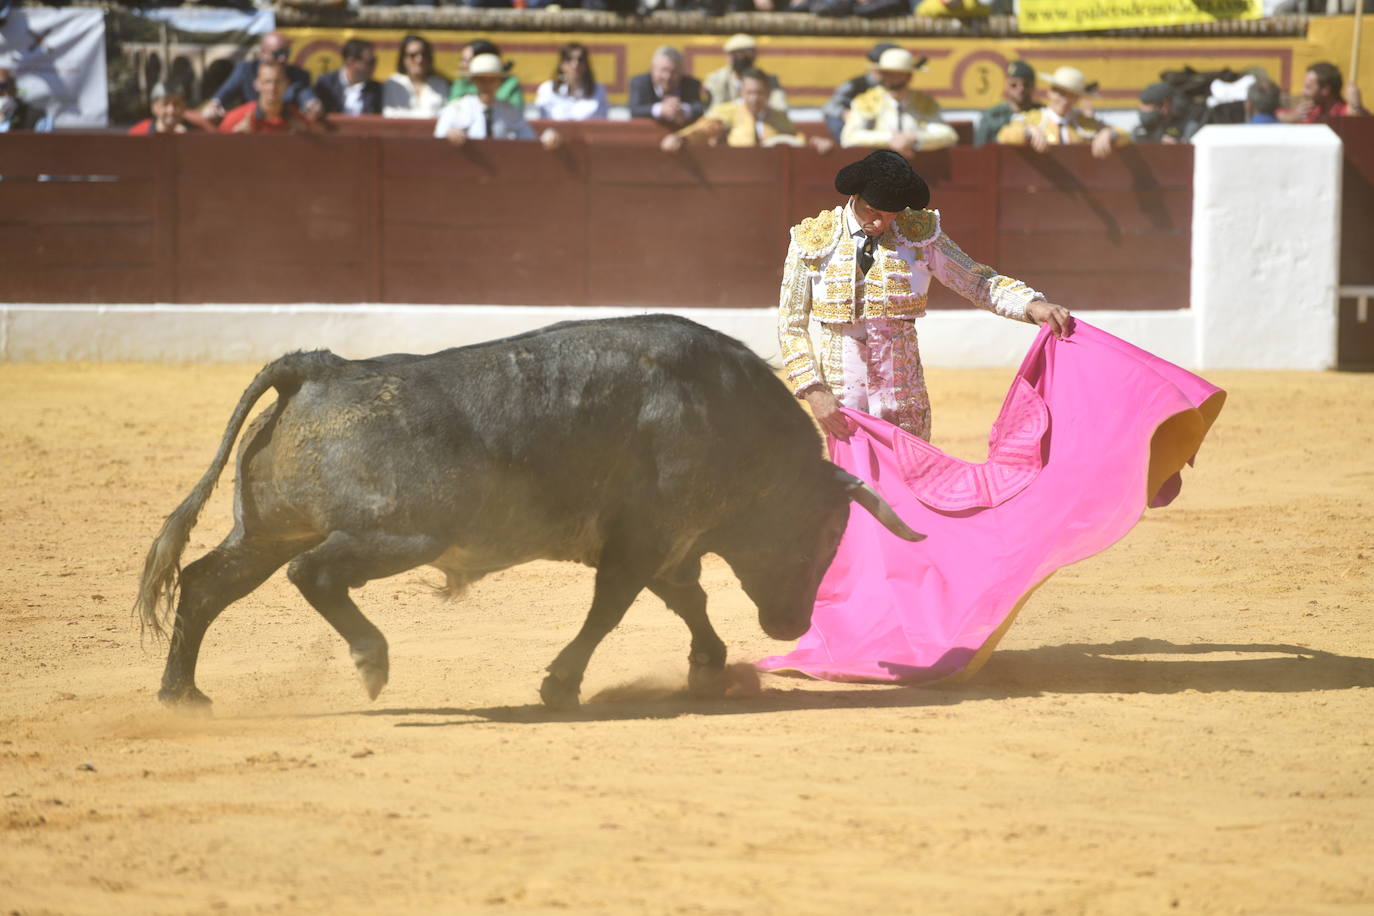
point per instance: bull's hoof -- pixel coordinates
(186, 700)
(559, 695)
(707, 682)
(373, 668)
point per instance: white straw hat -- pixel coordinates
(486, 65)
(740, 42)
(897, 59)
(1069, 79)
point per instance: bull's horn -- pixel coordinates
(868, 497)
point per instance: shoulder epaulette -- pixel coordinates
(870, 101)
(816, 236)
(918, 227)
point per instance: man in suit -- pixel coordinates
(666, 93)
(241, 86)
(351, 90)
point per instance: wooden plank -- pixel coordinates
(72, 153)
(82, 283)
(109, 203)
(1022, 252)
(722, 246)
(256, 281)
(1144, 168)
(694, 167)
(1113, 213)
(76, 244)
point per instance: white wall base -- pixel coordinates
(259, 333)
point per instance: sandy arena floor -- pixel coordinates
(1182, 724)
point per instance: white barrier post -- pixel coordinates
(1266, 245)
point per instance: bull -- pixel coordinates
(633, 445)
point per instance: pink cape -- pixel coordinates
(1092, 431)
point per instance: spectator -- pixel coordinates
(666, 93)
(894, 115)
(414, 90)
(723, 85)
(509, 91)
(275, 48)
(351, 90)
(482, 115)
(1019, 93)
(1321, 98)
(1262, 102)
(1060, 123)
(953, 9)
(1159, 122)
(272, 113)
(573, 94)
(16, 114)
(837, 109)
(168, 105)
(750, 120)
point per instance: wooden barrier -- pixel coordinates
(1356, 325)
(405, 219)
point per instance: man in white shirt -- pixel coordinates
(482, 116)
(894, 115)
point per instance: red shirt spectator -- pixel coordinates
(271, 113)
(1321, 98)
(247, 119)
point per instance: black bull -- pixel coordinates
(633, 445)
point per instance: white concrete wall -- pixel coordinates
(1266, 238)
(1266, 246)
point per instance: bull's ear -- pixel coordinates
(868, 497)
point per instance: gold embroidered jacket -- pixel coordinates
(821, 281)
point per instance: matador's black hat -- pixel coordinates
(885, 181)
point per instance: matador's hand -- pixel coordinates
(825, 407)
(1058, 317)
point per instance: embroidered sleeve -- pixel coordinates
(979, 283)
(794, 313)
(703, 128)
(933, 135)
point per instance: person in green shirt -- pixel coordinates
(509, 90)
(1019, 94)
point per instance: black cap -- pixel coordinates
(885, 181)
(1156, 93)
(1019, 69)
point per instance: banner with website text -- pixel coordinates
(1039, 16)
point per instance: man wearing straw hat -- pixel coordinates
(723, 85)
(854, 283)
(894, 115)
(1060, 122)
(482, 116)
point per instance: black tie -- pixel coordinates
(487, 114)
(866, 256)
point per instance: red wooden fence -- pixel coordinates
(607, 220)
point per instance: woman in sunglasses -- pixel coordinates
(415, 90)
(573, 94)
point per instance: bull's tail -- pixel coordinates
(157, 589)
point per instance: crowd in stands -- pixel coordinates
(739, 104)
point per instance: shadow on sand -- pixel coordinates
(1130, 666)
